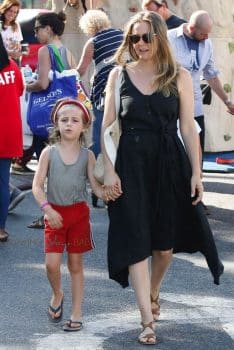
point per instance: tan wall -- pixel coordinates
(219, 124)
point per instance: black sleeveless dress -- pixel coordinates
(155, 211)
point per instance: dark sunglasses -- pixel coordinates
(147, 38)
(36, 29)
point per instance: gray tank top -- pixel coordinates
(67, 183)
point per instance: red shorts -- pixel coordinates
(75, 233)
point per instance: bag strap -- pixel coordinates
(55, 58)
(117, 91)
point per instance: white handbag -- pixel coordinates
(111, 136)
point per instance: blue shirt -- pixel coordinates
(205, 62)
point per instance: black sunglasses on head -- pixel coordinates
(147, 38)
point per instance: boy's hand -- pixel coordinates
(55, 220)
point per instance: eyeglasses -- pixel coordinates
(147, 38)
(36, 29)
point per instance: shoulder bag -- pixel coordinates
(63, 84)
(111, 136)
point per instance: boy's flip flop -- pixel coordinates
(67, 327)
(56, 319)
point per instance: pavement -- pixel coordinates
(195, 313)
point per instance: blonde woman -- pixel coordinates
(155, 189)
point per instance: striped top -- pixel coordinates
(105, 45)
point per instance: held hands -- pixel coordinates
(53, 217)
(112, 186)
(196, 189)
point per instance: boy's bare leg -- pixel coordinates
(75, 266)
(53, 262)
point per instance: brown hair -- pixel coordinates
(4, 7)
(166, 67)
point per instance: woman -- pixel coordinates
(100, 48)
(11, 31)
(11, 88)
(48, 29)
(155, 187)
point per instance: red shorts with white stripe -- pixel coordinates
(75, 233)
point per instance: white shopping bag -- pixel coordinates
(27, 133)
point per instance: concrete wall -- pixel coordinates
(219, 124)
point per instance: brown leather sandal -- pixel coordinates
(147, 335)
(156, 309)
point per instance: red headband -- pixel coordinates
(71, 102)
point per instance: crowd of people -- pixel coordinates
(154, 190)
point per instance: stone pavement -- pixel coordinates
(195, 313)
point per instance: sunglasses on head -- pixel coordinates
(147, 38)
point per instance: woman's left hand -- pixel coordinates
(196, 189)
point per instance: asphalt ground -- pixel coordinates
(195, 313)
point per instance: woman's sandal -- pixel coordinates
(147, 335)
(155, 309)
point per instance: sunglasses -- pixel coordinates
(36, 29)
(147, 38)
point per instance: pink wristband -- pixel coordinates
(44, 204)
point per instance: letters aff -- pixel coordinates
(7, 78)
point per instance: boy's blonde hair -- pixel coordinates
(67, 103)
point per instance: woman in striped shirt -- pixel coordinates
(100, 48)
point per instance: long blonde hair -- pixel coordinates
(166, 67)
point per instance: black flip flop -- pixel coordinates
(68, 328)
(58, 318)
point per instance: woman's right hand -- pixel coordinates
(112, 185)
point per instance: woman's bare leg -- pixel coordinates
(139, 275)
(161, 261)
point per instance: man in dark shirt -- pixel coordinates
(161, 7)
